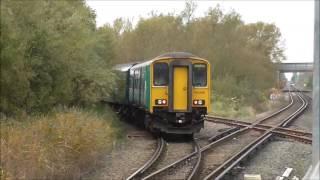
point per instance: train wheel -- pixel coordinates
(148, 123)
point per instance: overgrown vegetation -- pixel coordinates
(64, 144)
(242, 54)
(52, 54)
(231, 107)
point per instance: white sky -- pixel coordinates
(294, 18)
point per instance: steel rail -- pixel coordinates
(286, 132)
(293, 136)
(152, 160)
(301, 136)
(194, 169)
(224, 133)
(298, 112)
(224, 168)
(303, 139)
(234, 122)
(194, 153)
(222, 139)
(259, 121)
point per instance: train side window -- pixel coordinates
(199, 75)
(131, 79)
(142, 78)
(136, 78)
(160, 74)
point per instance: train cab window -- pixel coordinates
(199, 75)
(160, 74)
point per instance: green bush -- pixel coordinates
(52, 54)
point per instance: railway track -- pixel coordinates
(298, 135)
(240, 124)
(187, 170)
(166, 154)
(302, 136)
(231, 162)
(139, 172)
(251, 137)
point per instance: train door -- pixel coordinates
(180, 88)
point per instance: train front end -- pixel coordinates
(180, 93)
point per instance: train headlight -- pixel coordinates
(164, 101)
(198, 102)
(161, 102)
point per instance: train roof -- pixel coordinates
(124, 67)
(178, 55)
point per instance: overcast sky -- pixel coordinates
(294, 18)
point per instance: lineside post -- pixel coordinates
(316, 82)
(313, 172)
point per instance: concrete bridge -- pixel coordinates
(295, 67)
(292, 68)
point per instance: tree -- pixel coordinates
(188, 12)
(242, 54)
(52, 54)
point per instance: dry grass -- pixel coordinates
(62, 145)
(231, 110)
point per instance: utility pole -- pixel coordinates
(316, 82)
(313, 172)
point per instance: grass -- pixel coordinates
(61, 145)
(233, 108)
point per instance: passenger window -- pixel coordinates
(142, 78)
(131, 78)
(199, 75)
(160, 74)
(136, 78)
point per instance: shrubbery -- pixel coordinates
(231, 107)
(64, 144)
(52, 54)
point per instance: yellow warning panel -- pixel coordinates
(180, 88)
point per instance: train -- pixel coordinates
(168, 94)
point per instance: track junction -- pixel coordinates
(220, 156)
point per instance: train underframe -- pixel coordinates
(163, 121)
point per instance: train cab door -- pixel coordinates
(180, 88)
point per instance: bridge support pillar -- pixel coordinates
(278, 76)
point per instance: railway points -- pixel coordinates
(256, 134)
